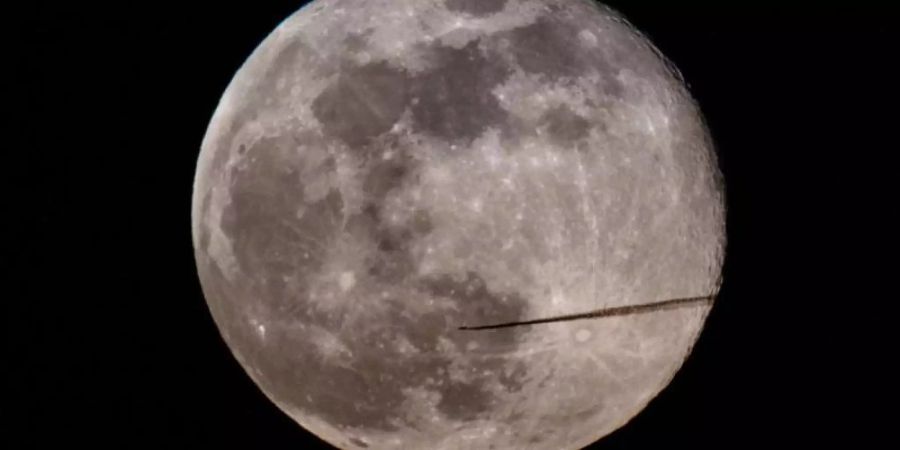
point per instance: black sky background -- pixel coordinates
(107, 340)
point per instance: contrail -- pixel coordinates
(605, 312)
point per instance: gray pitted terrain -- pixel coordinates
(380, 173)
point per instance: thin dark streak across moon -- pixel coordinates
(605, 312)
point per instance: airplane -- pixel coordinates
(604, 312)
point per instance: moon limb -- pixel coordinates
(359, 194)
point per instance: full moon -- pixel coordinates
(380, 173)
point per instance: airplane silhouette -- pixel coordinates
(604, 312)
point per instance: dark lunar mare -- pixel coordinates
(564, 125)
(476, 7)
(363, 103)
(453, 101)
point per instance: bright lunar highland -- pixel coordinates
(382, 172)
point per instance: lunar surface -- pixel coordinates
(380, 173)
